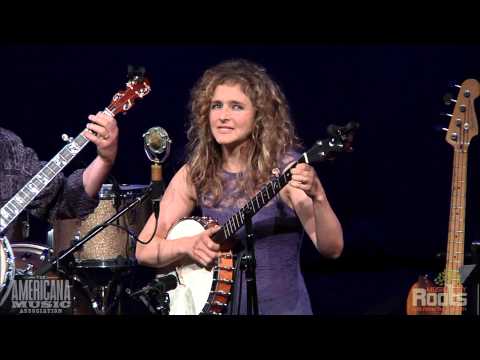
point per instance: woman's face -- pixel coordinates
(232, 115)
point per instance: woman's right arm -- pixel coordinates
(178, 201)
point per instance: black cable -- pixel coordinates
(151, 238)
(133, 235)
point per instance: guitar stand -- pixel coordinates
(470, 277)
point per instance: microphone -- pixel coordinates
(156, 142)
(161, 284)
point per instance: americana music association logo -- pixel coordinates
(41, 295)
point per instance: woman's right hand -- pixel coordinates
(202, 248)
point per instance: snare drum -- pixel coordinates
(113, 247)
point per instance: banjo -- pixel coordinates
(203, 291)
(122, 101)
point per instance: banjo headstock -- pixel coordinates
(340, 140)
(136, 88)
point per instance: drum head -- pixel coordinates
(30, 257)
(125, 191)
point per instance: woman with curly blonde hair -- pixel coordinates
(240, 133)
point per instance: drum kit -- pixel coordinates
(102, 275)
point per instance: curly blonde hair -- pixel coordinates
(273, 134)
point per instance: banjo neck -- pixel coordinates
(32, 188)
(340, 141)
(254, 205)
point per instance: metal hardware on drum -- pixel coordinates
(7, 269)
(29, 256)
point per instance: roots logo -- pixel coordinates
(437, 297)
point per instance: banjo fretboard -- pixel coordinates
(267, 193)
(31, 189)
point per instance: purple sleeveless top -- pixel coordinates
(278, 236)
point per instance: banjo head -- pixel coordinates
(200, 290)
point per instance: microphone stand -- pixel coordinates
(248, 265)
(157, 187)
(94, 231)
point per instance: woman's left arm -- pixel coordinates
(305, 194)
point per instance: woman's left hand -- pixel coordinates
(304, 177)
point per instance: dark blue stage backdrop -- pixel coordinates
(392, 194)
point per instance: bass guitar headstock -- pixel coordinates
(463, 124)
